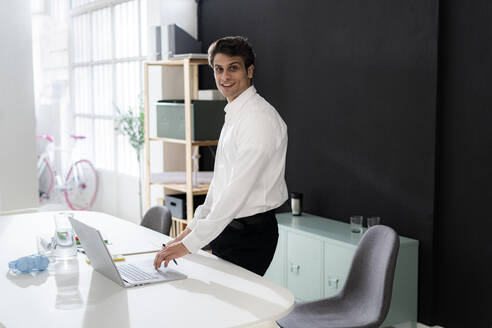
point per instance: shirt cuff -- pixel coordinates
(192, 243)
(192, 224)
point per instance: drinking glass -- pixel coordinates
(45, 245)
(356, 223)
(372, 221)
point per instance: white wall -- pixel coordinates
(18, 182)
(180, 12)
(51, 75)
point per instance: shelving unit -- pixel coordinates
(190, 71)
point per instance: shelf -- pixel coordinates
(202, 189)
(190, 79)
(180, 220)
(177, 62)
(182, 141)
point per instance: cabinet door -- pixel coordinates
(304, 266)
(276, 270)
(337, 264)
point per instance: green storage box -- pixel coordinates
(207, 118)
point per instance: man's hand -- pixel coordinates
(172, 242)
(170, 253)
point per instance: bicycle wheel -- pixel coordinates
(46, 180)
(82, 184)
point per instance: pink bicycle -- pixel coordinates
(79, 187)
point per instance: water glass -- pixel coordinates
(65, 246)
(356, 223)
(45, 245)
(372, 221)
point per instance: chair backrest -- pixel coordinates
(158, 218)
(369, 283)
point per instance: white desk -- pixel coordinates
(216, 293)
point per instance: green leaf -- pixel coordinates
(131, 124)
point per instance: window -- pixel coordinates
(108, 46)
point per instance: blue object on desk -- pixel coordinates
(28, 264)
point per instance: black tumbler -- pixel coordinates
(296, 203)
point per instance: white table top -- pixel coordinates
(216, 293)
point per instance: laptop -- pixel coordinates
(126, 273)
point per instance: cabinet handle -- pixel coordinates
(295, 268)
(333, 283)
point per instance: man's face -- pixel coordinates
(231, 75)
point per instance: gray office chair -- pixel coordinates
(365, 298)
(158, 218)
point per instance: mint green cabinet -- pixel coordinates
(337, 264)
(314, 255)
(303, 264)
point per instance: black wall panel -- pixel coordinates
(356, 82)
(464, 180)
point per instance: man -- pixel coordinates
(237, 218)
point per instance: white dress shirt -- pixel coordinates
(249, 168)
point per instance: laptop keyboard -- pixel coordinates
(130, 272)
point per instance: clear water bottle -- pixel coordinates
(65, 246)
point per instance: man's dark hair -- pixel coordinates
(232, 46)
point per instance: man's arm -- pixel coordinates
(180, 237)
(255, 146)
(201, 212)
(179, 249)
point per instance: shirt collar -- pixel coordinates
(237, 103)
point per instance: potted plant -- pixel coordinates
(131, 125)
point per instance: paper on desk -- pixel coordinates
(140, 248)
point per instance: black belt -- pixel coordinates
(258, 218)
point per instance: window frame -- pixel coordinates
(89, 8)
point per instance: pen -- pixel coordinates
(164, 245)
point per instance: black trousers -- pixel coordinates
(249, 242)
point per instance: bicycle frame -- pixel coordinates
(80, 184)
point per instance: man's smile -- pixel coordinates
(227, 84)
